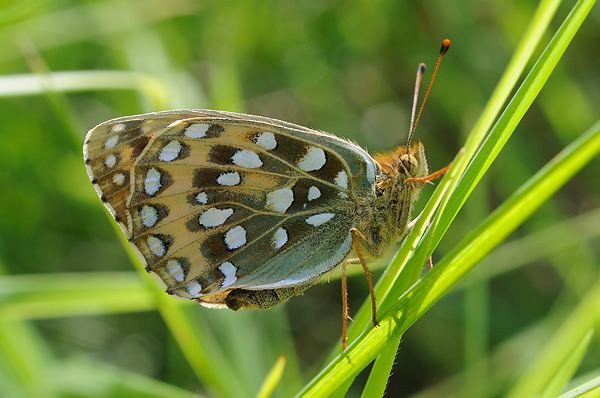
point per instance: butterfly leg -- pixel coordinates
(357, 236)
(430, 177)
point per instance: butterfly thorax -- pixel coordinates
(384, 217)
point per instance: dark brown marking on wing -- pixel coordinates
(215, 130)
(138, 145)
(289, 149)
(330, 169)
(221, 154)
(207, 177)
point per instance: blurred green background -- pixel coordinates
(75, 317)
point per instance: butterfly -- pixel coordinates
(242, 211)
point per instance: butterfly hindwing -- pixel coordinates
(220, 201)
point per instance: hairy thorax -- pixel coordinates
(383, 217)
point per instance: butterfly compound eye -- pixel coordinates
(409, 164)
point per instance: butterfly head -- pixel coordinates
(402, 163)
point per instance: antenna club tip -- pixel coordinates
(422, 68)
(446, 43)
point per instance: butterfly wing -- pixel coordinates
(110, 150)
(216, 201)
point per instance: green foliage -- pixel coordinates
(76, 321)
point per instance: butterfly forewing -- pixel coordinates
(216, 201)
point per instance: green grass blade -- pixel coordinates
(556, 238)
(85, 378)
(457, 263)
(531, 38)
(502, 366)
(588, 389)
(273, 378)
(61, 295)
(566, 339)
(79, 81)
(23, 353)
(476, 338)
(568, 368)
(44, 29)
(380, 373)
(513, 113)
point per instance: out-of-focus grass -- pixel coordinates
(67, 65)
(59, 295)
(272, 379)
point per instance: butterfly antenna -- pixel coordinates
(413, 126)
(411, 130)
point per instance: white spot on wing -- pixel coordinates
(117, 128)
(152, 181)
(194, 288)
(170, 151)
(341, 180)
(176, 270)
(175, 123)
(280, 200)
(214, 217)
(118, 178)
(313, 160)
(229, 179)
(235, 237)
(202, 198)
(319, 219)
(149, 216)
(228, 271)
(247, 159)
(197, 130)
(280, 238)
(111, 142)
(266, 140)
(313, 193)
(110, 161)
(156, 246)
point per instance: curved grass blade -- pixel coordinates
(72, 294)
(566, 371)
(380, 373)
(273, 378)
(588, 389)
(549, 362)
